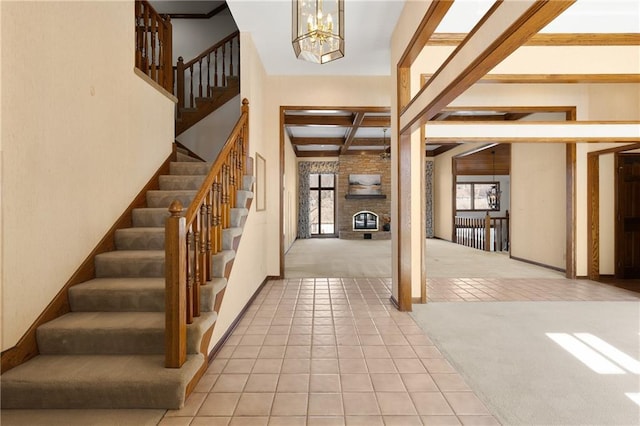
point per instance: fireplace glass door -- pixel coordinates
(322, 211)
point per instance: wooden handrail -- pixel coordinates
(154, 41)
(193, 238)
(476, 232)
(208, 70)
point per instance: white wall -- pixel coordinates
(251, 262)
(77, 126)
(207, 137)
(538, 203)
(290, 194)
(193, 36)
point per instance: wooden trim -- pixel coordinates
(553, 78)
(207, 15)
(27, 346)
(440, 141)
(335, 120)
(593, 216)
(335, 153)
(281, 154)
(532, 262)
(403, 226)
(552, 39)
(418, 300)
(571, 202)
(394, 302)
(316, 141)
(351, 134)
(425, 31)
(615, 149)
(423, 222)
(523, 27)
(236, 321)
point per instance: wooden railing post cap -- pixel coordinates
(245, 103)
(180, 59)
(175, 208)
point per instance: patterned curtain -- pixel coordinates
(429, 198)
(305, 168)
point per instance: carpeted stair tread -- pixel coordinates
(189, 168)
(118, 295)
(244, 198)
(140, 238)
(159, 198)
(103, 333)
(150, 217)
(183, 156)
(97, 381)
(130, 263)
(173, 182)
(114, 333)
(229, 236)
(132, 295)
(238, 216)
(220, 261)
(247, 182)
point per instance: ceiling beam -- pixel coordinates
(333, 120)
(370, 142)
(317, 141)
(351, 134)
(505, 27)
(550, 39)
(441, 149)
(317, 153)
(555, 78)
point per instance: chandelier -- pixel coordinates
(385, 154)
(493, 193)
(318, 30)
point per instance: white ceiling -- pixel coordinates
(369, 24)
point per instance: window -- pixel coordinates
(472, 196)
(322, 189)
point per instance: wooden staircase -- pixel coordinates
(129, 322)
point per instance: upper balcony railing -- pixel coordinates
(153, 44)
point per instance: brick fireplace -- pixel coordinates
(348, 206)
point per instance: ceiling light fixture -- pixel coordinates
(318, 30)
(385, 154)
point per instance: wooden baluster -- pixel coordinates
(197, 245)
(190, 274)
(175, 291)
(145, 52)
(160, 26)
(139, 34)
(191, 86)
(208, 75)
(219, 212)
(231, 58)
(153, 75)
(224, 70)
(215, 67)
(180, 83)
(209, 234)
(487, 232)
(507, 240)
(200, 77)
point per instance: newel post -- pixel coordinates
(487, 232)
(180, 83)
(175, 288)
(245, 134)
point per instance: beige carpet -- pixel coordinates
(333, 257)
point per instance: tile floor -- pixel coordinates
(522, 289)
(329, 351)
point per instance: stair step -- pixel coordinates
(140, 238)
(173, 182)
(159, 198)
(220, 262)
(132, 295)
(189, 168)
(118, 295)
(247, 182)
(244, 198)
(114, 333)
(97, 381)
(185, 157)
(150, 217)
(130, 263)
(229, 236)
(238, 216)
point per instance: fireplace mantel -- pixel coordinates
(365, 196)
